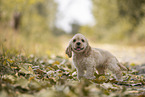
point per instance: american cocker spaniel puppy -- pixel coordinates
(90, 59)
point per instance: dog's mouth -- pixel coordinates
(78, 48)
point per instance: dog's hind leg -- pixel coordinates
(112, 65)
(101, 69)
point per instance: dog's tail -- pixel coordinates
(122, 67)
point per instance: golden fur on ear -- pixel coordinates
(69, 51)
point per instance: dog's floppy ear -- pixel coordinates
(69, 51)
(87, 50)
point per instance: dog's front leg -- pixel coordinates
(90, 73)
(80, 73)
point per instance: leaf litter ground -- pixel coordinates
(30, 76)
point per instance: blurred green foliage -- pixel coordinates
(30, 24)
(115, 20)
(35, 21)
(118, 21)
(36, 16)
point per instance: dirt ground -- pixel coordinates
(129, 54)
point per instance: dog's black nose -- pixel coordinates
(78, 43)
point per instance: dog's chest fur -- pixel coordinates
(80, 61)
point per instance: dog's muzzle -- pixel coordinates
(78, 48)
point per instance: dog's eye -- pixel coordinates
(74, 40)
(83, 40)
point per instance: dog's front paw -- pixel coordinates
(80, 76)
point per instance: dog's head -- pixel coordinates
(78, 44)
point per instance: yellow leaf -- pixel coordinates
(31, 78)
(102, 78)
(56, 62)
(30, 69)
(133, 64)
(4, 63)
(60, 74)
(9, 60)
(13, 67)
